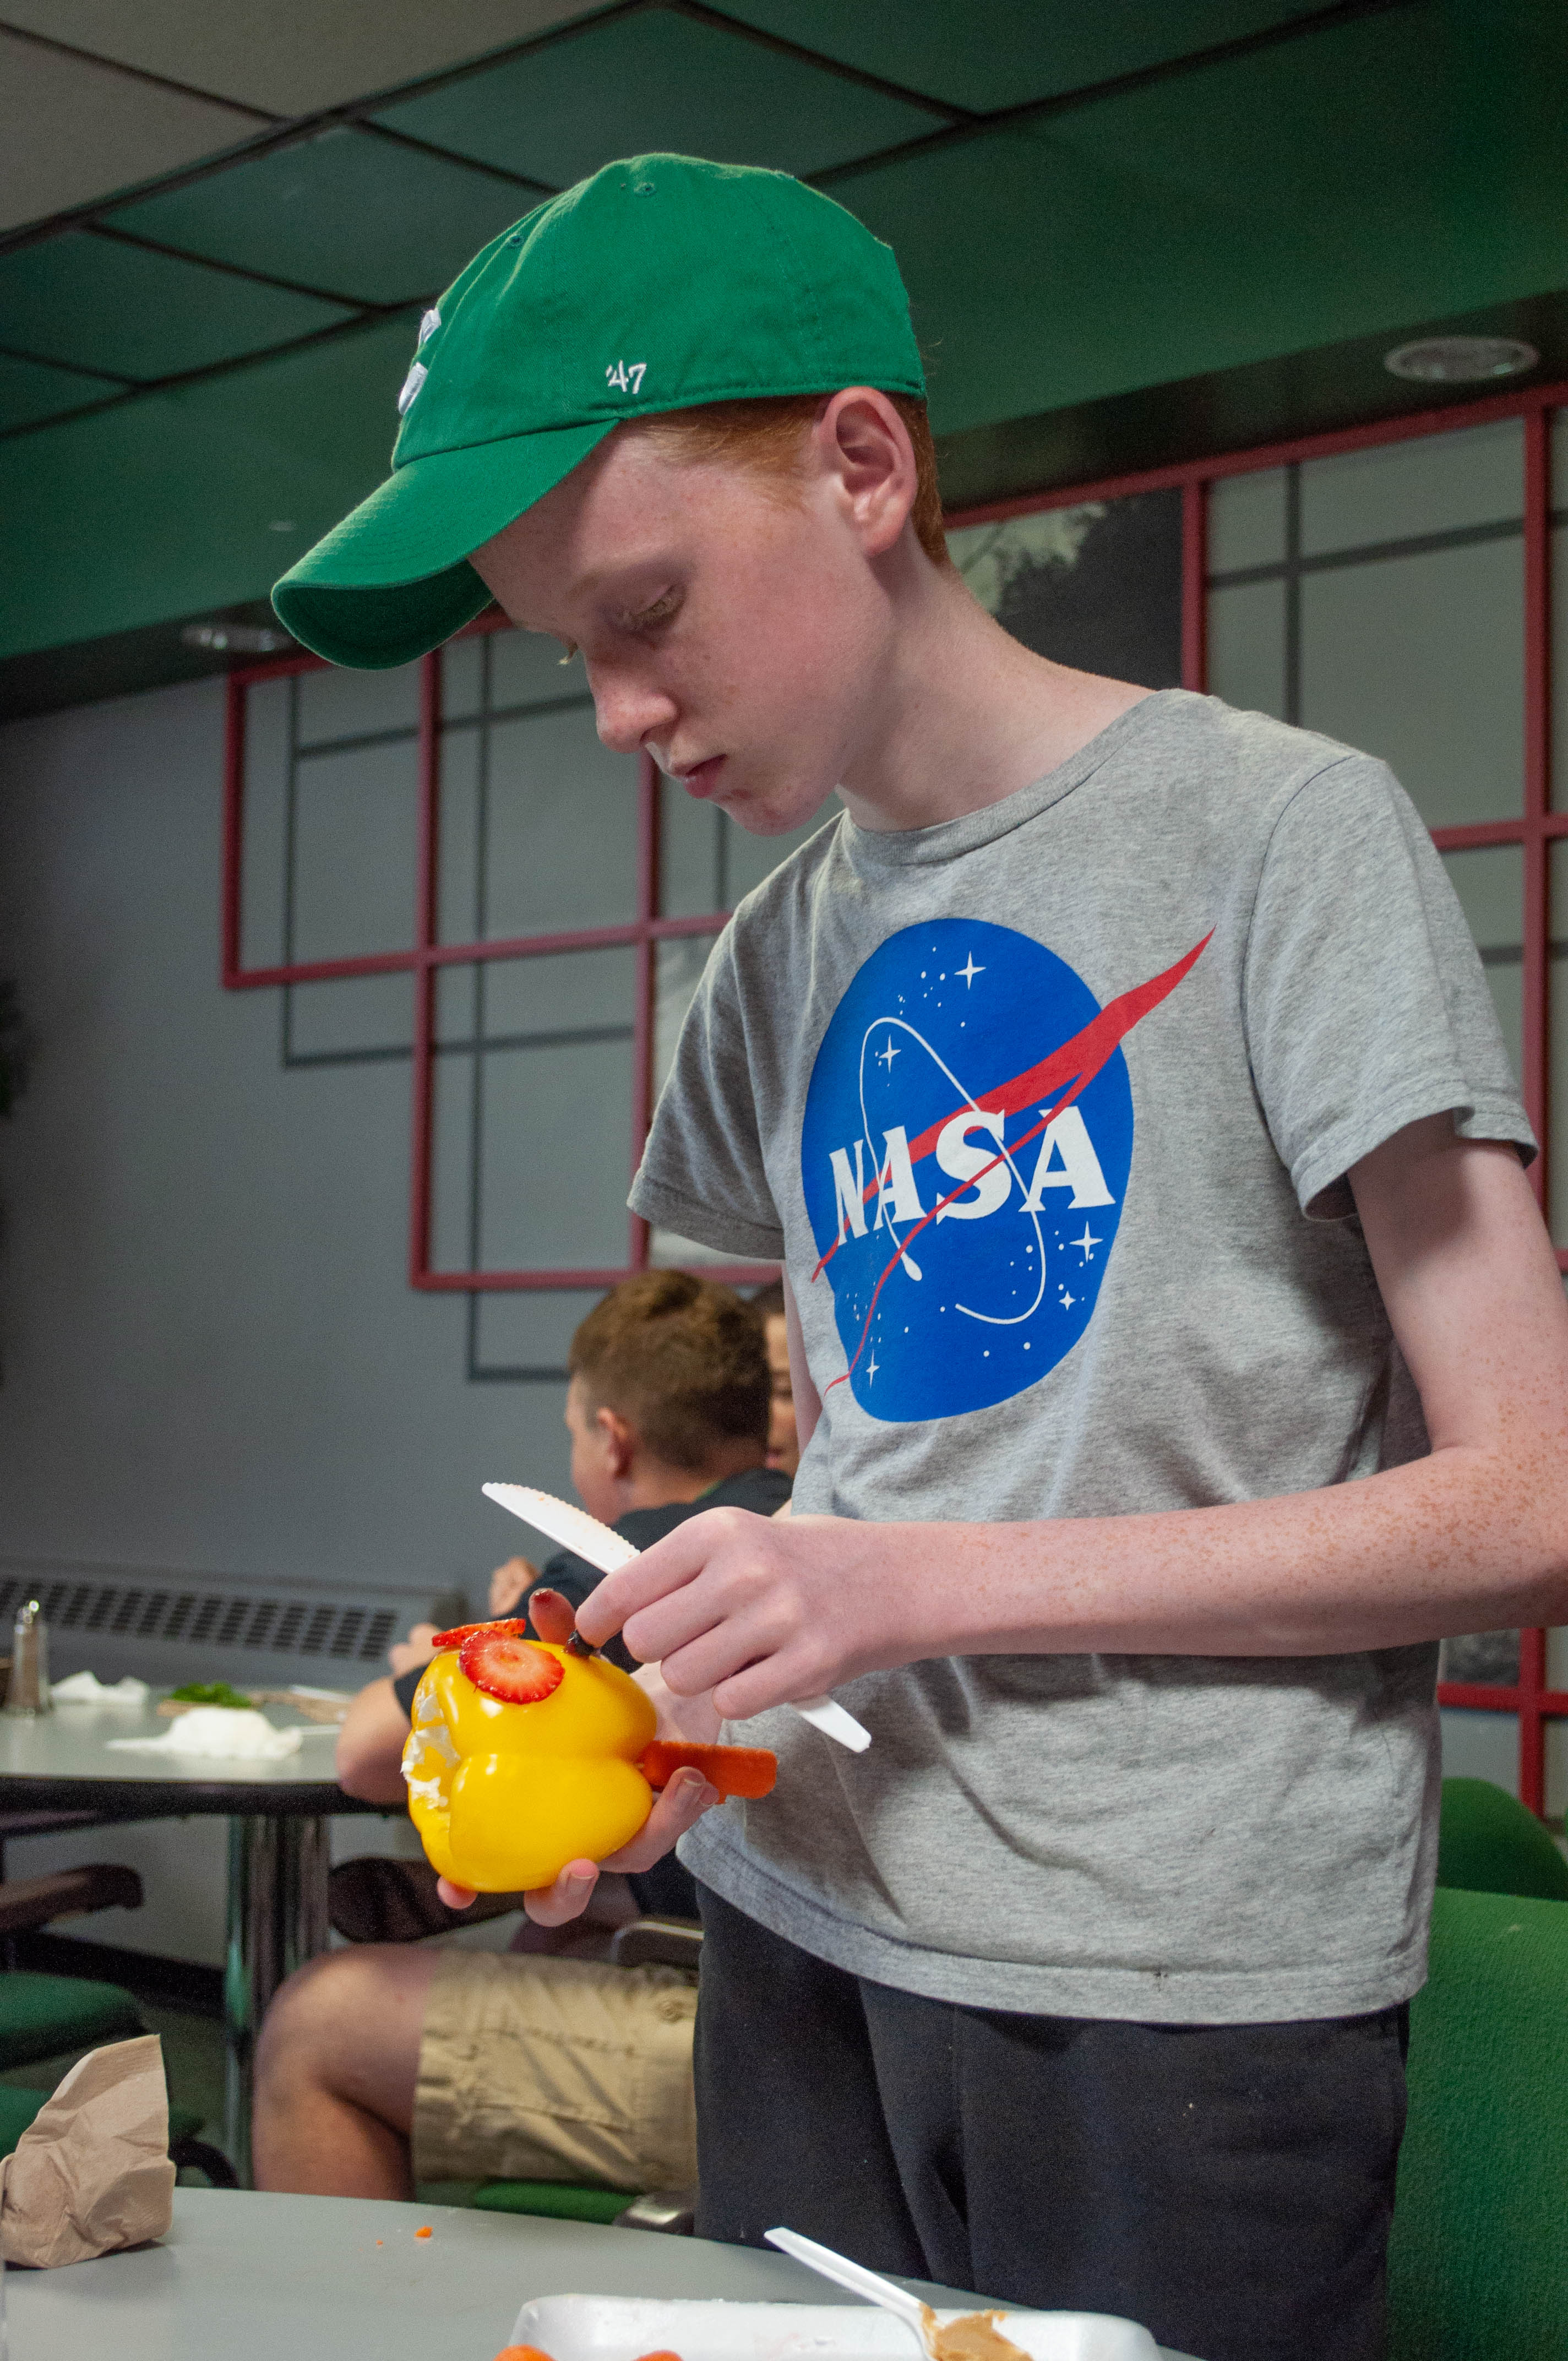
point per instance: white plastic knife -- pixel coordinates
(574, 1529)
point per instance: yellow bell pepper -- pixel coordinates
(505, 1795)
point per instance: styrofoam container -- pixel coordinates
(624, 2328)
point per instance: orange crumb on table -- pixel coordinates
(426, 2233)
(521, 2353)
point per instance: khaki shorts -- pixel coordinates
(556, 2069)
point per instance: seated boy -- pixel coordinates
(784, 1438)
(515, 2065)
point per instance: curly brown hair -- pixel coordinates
(682, 1361)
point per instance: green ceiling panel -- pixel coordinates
(31, 389)
(348, 212)
(168, 505)
(656, 80)
(101, 304)
(1379, 174)
(983, 54)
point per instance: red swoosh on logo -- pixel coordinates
(1076, 1062)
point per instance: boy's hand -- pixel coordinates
(760, 1612)
(508, 1583)
(676, 1808)
(417, 1649)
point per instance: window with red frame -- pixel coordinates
(443, 865)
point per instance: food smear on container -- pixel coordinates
(974, 2337)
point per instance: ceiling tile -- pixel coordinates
(166, 506)
(290, 57)
(656, 80)
(31, 389)
(348, 212)
(991, 53)
(72, 130)
(102, 305)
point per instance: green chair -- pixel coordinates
(1478, 2259)
(1487, 1843)
(46, 2015)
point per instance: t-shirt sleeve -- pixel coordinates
(1366, 1005)
(702, 1173)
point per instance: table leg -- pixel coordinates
(277, 1921)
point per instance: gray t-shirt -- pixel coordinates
(1049, 1109)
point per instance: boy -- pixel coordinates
(1120, 1088)
(530, 2068)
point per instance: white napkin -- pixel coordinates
(223, 1731)
(86, 1688)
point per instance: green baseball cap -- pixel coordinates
(661, 282)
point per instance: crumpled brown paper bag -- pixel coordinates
(92, 2173)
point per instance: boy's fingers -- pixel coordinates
(681, 1802)
(668, 1566)
(456, 1897)
(554, 1906)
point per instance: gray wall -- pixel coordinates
(212, 1360)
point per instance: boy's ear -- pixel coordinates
(619, 1438)
(863, 440)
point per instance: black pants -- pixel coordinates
(1229, 2186)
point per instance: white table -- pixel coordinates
(279, 1853)
(250, 2278)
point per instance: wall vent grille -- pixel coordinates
(322, 1629)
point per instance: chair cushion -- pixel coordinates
(561, 2201)
(40, 2015)
(1487, 1843)
(1477, 2264)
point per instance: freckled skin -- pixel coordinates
(783, 645)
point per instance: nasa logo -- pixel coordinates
(965, 1153)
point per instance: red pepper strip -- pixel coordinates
(748, 1771)
(460, 1632)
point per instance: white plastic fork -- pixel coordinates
(574, 1529)
(856, 2279)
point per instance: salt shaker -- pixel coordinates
(28, 1691)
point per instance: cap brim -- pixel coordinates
(393, 579)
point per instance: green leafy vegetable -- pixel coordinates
(210, 1693)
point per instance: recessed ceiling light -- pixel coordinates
(236, 639)
(1460, 361)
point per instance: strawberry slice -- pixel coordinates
(748, 1771)
(553, 1616)
(509, 1667)
(461, 1631)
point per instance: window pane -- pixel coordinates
(1557, 1035)
(462, 676)
(263, 854)
(336, 704)
(692, 849)
(529, 1332)
(1489, 883)
(678, 971)
(356, 1018)
(532, 1149)
(1480, 1746)
(356, 837)
(1485, 1659)
(1246, 646)
(1422, 660)
(1555, 1748)
(531, 668)
(1097, 585)
(559, 837)
(1435, 483)
(1246, 520)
